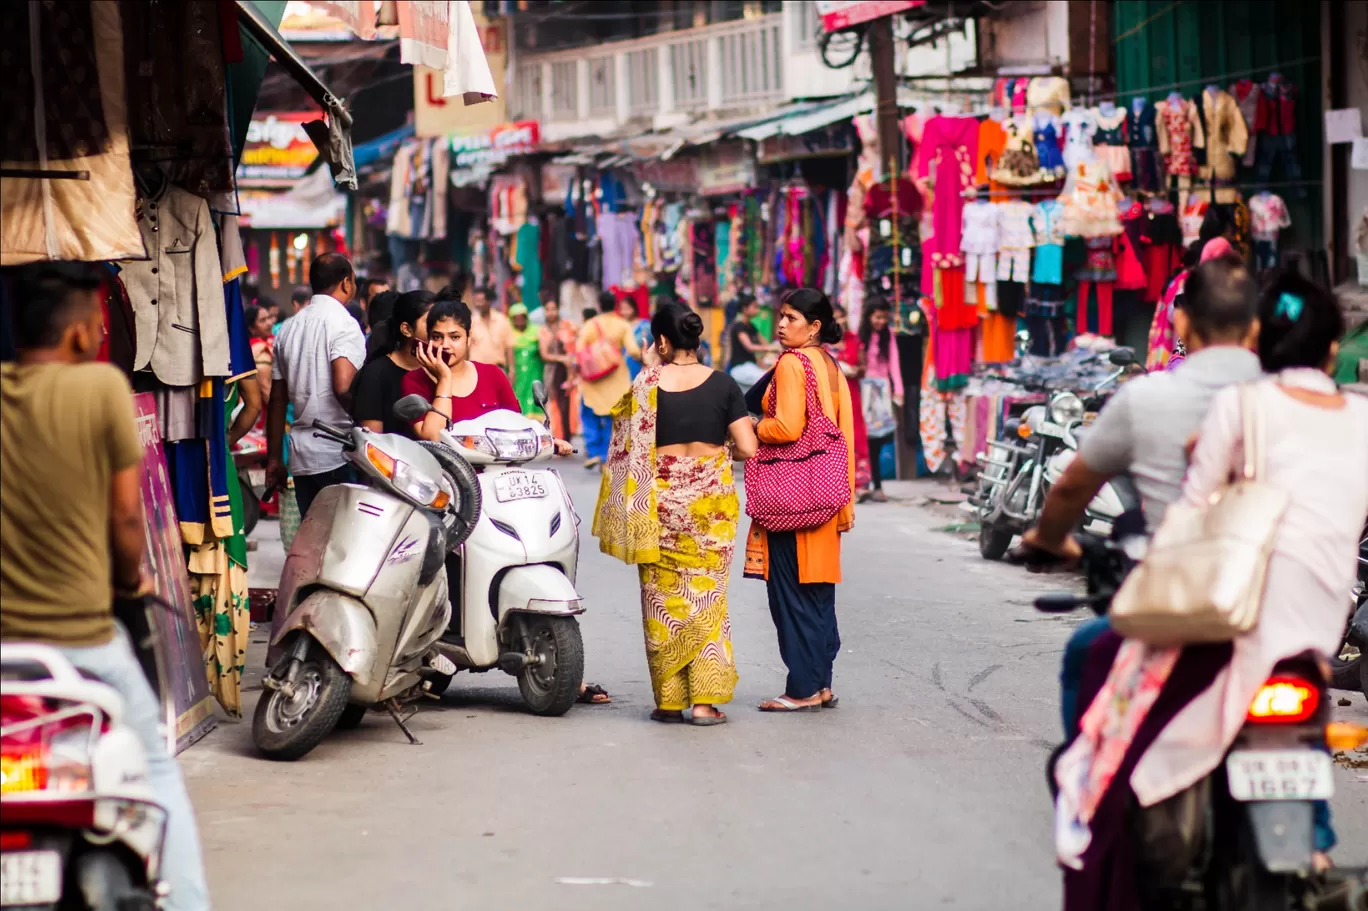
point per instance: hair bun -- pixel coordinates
(692, 325)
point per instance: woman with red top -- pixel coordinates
(458, 388)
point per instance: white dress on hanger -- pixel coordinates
(1081, 124)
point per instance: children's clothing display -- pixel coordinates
(1268, 216)
(1098, 271)
(1015, 240)
(1163, 241)
(1110, 143)
(1047, 224)
(1226, 135)
(1130, 269)
(1180, 135)
(1048, 92)
(1143, 132)
(1020, 164)
(980, 240)
(992, 143)
(1089, 201)
(1045, 130)
(1080, 125)
(1247, 95)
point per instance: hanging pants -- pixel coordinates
(1104, 306)
(805, 619)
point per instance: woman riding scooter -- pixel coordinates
(460, 389)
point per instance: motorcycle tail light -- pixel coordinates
(15, 841)
(45, 745)
(1284, 700)
(1343, 735)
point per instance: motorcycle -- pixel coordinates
(515, 600)
(1243, 837)
(1016, 476)
(363, 597)
(79, 828)
(1348, 669)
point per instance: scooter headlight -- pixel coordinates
(407, 481)
(478, 443)
(514, 445)
(1067, 409)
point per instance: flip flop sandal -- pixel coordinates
(591, 691)
(785, 704)
(665, 716)
(703, 721)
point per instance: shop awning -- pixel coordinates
(795, 123)
(382, 147)
(333, 138)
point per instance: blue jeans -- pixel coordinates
(1071, 677)
(598, 432)
(182, 861)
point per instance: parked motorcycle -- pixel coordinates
(1019, 469)
(1348, 669)
(79, 828)
(363, 596)
(1243, 836)
(516, 602)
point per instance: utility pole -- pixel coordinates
(882, 61)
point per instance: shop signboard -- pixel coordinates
(726, 168)
(679, 174)
(278, 152)
(435, 115)
(839, 14)
(494, 147)
(828, 142)
(184, 688)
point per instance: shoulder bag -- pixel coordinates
(599, 358)
(1203, 578)
(803, 484)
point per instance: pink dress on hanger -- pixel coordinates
(951, 143)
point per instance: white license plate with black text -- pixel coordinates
(518, 485)
(1280, 775)
(30, 878)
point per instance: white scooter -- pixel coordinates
(517, 599)
(81, 827)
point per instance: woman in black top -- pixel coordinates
(676, 427)
(391, 356)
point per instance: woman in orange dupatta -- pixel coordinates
(801, 569)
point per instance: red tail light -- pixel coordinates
(1284, 700)
(45, 755)
(15, 841)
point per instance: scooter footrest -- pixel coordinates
(441, 664)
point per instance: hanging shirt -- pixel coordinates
(1267, 216)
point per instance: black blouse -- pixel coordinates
(701, 414)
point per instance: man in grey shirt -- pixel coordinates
(1146, 427)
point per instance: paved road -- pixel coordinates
(924, 790)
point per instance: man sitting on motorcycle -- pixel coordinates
(1145, 429)
(71, 522)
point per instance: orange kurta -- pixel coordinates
(819, 549)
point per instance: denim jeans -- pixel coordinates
(182, 861)
(309, 486)
(1265, 255)
(1272, 150)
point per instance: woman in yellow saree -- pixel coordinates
(668, 504)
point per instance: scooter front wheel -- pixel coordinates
(550, 685)
(285, 727)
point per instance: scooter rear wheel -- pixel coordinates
(551, 686)
(287, 727)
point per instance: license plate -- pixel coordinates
(256, 477)
(30, 878)
(1280, 775)
(517, 485)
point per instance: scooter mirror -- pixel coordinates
(411, 408)
(1121, 357)
(539, 393)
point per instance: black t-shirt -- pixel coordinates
(374, 392)
(701, 414)
(739, 353)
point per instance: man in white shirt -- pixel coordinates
(317, 354)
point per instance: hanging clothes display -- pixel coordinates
(1276, 124)
(1190, 220)
(992, 144)
(893, 258)
(1143, 132)
(1045, 130)
(1020, 165)
(1015, 240)
(1247, 96)
(1080, 126)
(1130, 266)
(1180, 135)
(1048, 231)
(1089, 200)
(1110, 141)
(1098, 272)
(1163, 246)
(951, 144)
(527, 260)
(1267, 216)
(1227, 138)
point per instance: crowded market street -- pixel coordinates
(925, 789)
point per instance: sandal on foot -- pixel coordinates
(668, 716)
(703, 721)
(831, 703)
(785, 704)
(593, 694)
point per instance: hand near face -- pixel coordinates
(433, 361)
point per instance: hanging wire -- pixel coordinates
(826, 40)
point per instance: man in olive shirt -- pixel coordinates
(71, 521)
